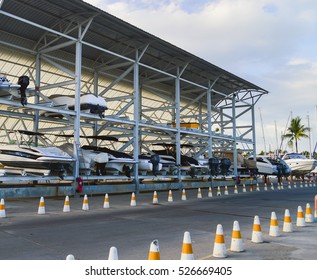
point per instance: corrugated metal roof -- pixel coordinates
(111, 33)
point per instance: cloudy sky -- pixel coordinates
(272, 44)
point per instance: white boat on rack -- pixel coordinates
(89, 103)
(25, 157)
(90, 161)
(299, 164)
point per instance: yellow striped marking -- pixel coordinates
(257, 227)
(287, 219)
(236, 234)
(219, 238)
(187, 248)
(300, 215)
(154, 256)
(274, 223)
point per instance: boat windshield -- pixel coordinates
(294, 156)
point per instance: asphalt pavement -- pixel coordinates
(89, 234)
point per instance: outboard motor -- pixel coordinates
(225, 164)
(155, 160)
(23, 81)
(214, 166)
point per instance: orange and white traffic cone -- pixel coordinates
(236, 240)
(274, 228)
(106, 203)
(199, 194)
(85, 206)
(300, 221)
(257, 187)
(154, 253)
(301, 184)
(209, 192)
(218, 191)
(220, 250)
(244, 188)
(184, 194)
(41, 209)
(226, 192)
(70, 257)
(289, 185)
(257, 235)
(272, 186)
(187, 248)
(251, 186)
(113, 254)
(265, 186)
(2, 209)
(66, 207)
(155, 198)
(170, 196)
(308, 214)
(287, 226)
(133, 200)
(235, 189)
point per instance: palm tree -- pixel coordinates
(296, 131)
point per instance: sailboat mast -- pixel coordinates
(262, 131)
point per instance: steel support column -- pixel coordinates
(136, 120)
(234, 135)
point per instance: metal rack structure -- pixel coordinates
(151, 86)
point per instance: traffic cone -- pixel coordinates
(251, 187)
(41, 209)
(199, 194)
(70, 257)
(308, 214)
(183, 194)
(244, 188)
(294, 185)
(133, 201)
(278, 186)
(209, 192)
(106, 203)
(154, 253)
(113, 254)
(301, 184)
(274, 228)
(257, 236)
(257, 187)
(2, 209)
(220, 250)
(272, 186)
(66, 207)
(265, 186)
(226, 191)
(300, 221)
(236, 240)
(287, 226)
(187, 248)
(155, 199)
(170, 196)
(85, 203)
(281, 186)
(289, 185)
(218, 191)
(235, 190)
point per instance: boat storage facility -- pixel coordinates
(126, 110)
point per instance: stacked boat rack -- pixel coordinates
(88, 99)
